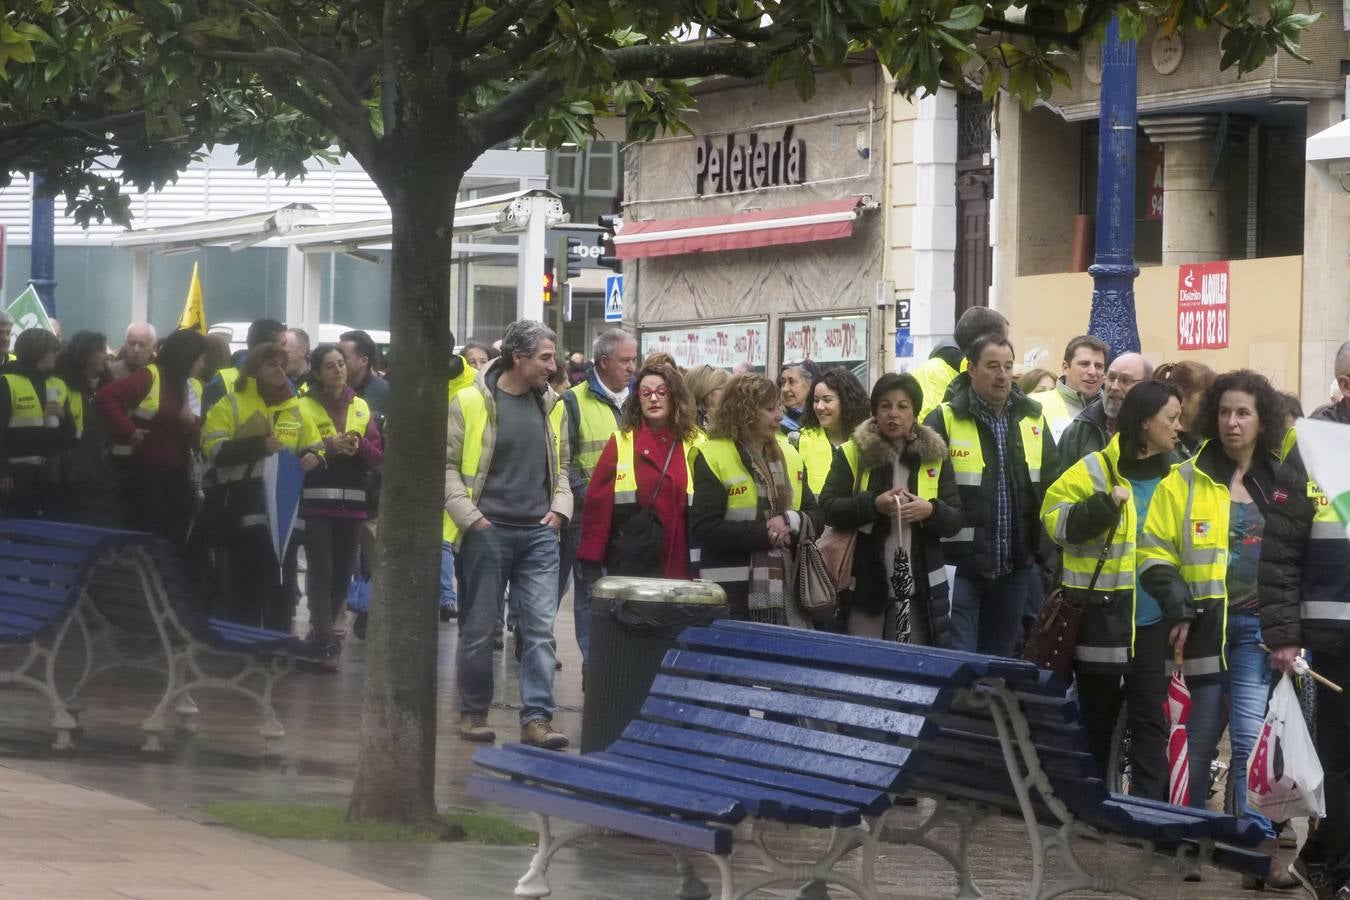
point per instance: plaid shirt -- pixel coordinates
(1002, 535)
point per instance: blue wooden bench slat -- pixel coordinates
(39, 610)
(1014, 671)
(774, 756)
(38, 591)
(891, 722)
(870, 801)
(786, 645)
(24, 552)
(657, 709)
(572, 773)
(65, 534)
(758, 800)
(57, 573)
(1198, 823)
(981, 750)
(816, 681)
(711, 839)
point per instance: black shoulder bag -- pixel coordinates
(636, 549)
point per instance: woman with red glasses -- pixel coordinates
(634, 519)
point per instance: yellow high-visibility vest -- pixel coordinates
(625, 474)
(474, 409)
(817, 453)
(596, 426)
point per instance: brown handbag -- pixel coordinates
(1054, 637)
(811, 581)
(836, 547)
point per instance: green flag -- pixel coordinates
(27, 312)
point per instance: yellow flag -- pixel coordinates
(194, 314)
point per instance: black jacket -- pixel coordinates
(1298, 566)
(978, 502)
(842, 507)
(727, 543)
(1085, 434)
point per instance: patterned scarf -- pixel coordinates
(769, 599)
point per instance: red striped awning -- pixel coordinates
(738, 231)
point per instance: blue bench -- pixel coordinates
(129, 587)
(750, 726)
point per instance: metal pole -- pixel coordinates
(1113, 269)
(42, 252)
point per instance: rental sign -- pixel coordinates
(1202, 306)
(747, 163)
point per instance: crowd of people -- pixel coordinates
(973, 490)
(1173, 499)
(171, 436)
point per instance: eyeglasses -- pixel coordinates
(1122, 380)
(648, 393)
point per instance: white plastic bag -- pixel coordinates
(1284, 776)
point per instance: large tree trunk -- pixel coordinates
(395, 775)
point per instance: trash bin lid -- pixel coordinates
(659, 590)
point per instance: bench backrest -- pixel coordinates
(44, 568)
(956, 750)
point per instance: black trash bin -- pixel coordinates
(634, 621)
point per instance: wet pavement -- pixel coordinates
(224, 762)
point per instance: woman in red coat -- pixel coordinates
(659, 425)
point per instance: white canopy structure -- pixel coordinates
(528, 213)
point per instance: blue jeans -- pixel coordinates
(987, 613)
(526, 557)
(448, 600)
(581, 595)
(1248, 691)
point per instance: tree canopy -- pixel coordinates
(148, 83)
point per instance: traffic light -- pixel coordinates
(572, 255)
(550, 287)
(611, 223)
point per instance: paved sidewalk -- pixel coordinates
(61, 842)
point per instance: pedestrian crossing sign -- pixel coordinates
(614, 298)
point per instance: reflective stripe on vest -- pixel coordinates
(474, 410)
(817, 454)
(724, 460)
(625, 473)
(1199, 540)
(1092, 475)
(963, 439)
(597, 424)
(25, 406)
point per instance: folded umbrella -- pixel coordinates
(1177, 706)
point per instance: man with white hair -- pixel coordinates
(594, 412)
(138, 350)
(1092, 429)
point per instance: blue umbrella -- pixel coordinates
(283, 481)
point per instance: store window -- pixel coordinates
(236, 286)
(93, 287)
(831, 342)
(736, 346)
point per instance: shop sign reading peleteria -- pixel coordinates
(745, 163)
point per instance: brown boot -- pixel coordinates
(1279, 878)
(540, 733)
(474, 727)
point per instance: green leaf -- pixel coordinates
(964, 18)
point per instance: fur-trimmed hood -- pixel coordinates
(874, 450)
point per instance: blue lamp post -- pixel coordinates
(1113, 269)
(42, 251)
